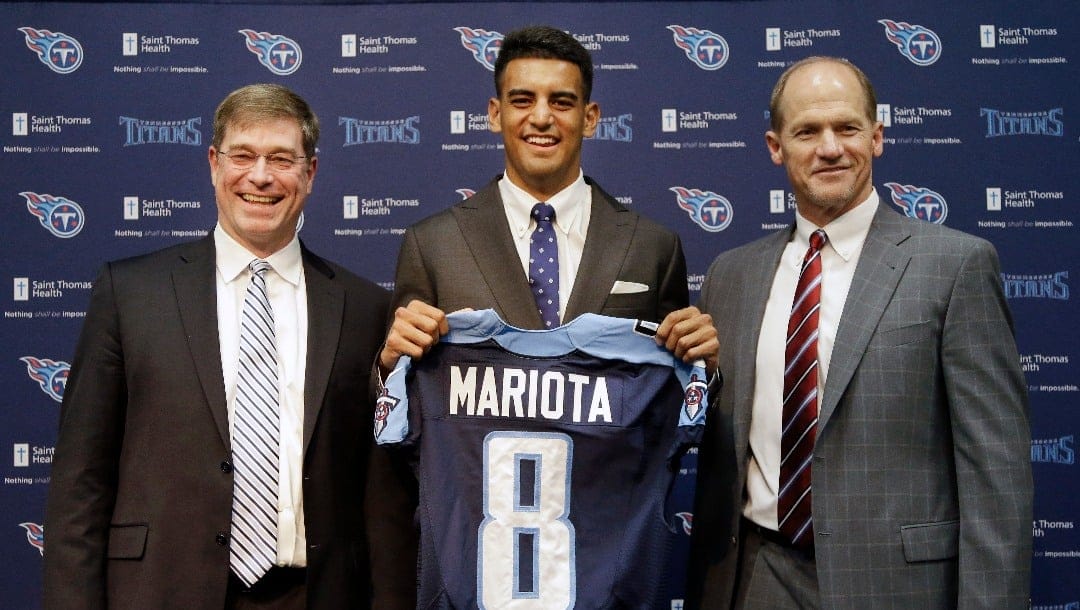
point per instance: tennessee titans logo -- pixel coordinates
(694, 397)
(279, 54)
(62, 53)
(60, 215)
(51, 375)
(706, 49)
(919, 202)
(920, 45)
(687, 521)
(710, 211)
(383, 406)
(483, 44)
(35, 535)
(465, 193)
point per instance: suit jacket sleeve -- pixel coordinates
(412, 280)
(989, 412)
(674, 293)
(82, 491)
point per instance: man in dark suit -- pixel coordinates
(141, 510)
(917, 492)
(476, 254)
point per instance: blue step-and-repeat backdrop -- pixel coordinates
(107, 112)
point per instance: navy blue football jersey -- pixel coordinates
(545, 459)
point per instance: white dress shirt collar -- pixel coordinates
(847, 232)
(568, 204)
(233, 259)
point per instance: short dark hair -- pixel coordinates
(265, 101)
(544, 42)
(776, 121)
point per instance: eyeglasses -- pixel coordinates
(242, 159)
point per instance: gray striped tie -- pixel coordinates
(253, 548)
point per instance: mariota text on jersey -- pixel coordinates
(489, 391)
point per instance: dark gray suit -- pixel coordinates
(922, 491)
(465, 257)
(139, 505)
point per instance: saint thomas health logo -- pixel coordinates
(919, 202)
(62, 53)
(708, 210)
(483, 44)
(281, 55)
(920, 45)
(62, 217)
(706, 49)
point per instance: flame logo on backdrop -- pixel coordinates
(706, 49)
(51, 375)
(483, 44)
(920, 45)
(61, 216)
(280, 54)
(919, 202)
(62, 53)
(707, 209)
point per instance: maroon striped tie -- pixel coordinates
(801, 401)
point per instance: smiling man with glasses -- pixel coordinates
(210, 451)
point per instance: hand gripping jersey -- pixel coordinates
(545, 458)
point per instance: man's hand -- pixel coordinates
(690, 335)
(416, 329)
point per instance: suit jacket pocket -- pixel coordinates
(127, 540)
(931, 541)
(903, 335)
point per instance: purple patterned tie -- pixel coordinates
(544, 265)
(801, 401)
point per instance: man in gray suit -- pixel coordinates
(917, 492)
(476, 253)
(144, 505)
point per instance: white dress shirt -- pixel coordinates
(839, 258)
(573, 208)
(288, 298)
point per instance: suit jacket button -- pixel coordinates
(226, 467)
(222, 538)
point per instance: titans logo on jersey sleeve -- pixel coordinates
(59, 215)
(62, 53)
(280, 55)
(707, 209)
(483, 44)
(706, 49)
(384, 406)
(920, 45)
(919, 202)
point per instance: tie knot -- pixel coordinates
(818, 239)
(258, 267)
(543, 212)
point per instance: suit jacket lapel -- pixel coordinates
(196, 297)
(606, 243)
(326, 308)
(482, 222)
(759, 267)
(880, 268)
